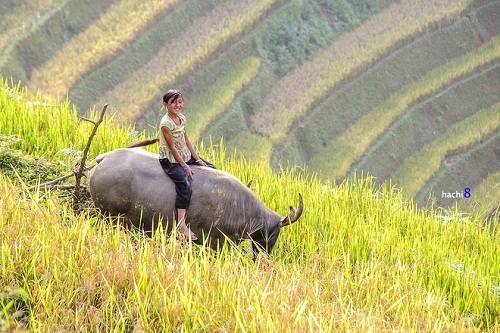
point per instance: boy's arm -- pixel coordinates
(197, 158)
(169, 138)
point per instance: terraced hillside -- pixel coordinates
(407, 91)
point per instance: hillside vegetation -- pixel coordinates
(360, 259)
(76, 58)
(351, 145)
(336, 87)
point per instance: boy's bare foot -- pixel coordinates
(184, 231)
(188, 235)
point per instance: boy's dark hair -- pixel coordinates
(171, 93)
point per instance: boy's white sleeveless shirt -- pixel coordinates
(179, 139)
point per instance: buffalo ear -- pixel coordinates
(294, 213)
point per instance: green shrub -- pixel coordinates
(14, 162)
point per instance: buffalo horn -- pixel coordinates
(294, 213)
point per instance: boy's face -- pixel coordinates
(175, 105)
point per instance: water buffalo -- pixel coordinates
(130, 182)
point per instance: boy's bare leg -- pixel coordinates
(181, 225)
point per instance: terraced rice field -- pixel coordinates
(289, 82)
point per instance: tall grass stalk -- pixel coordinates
(343, 151)
(360, 259)
(98, 44)
(351, 53)
(46, 126)
(417, 169)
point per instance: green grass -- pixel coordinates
(48, 135)
(360, 259)
(342, 152)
